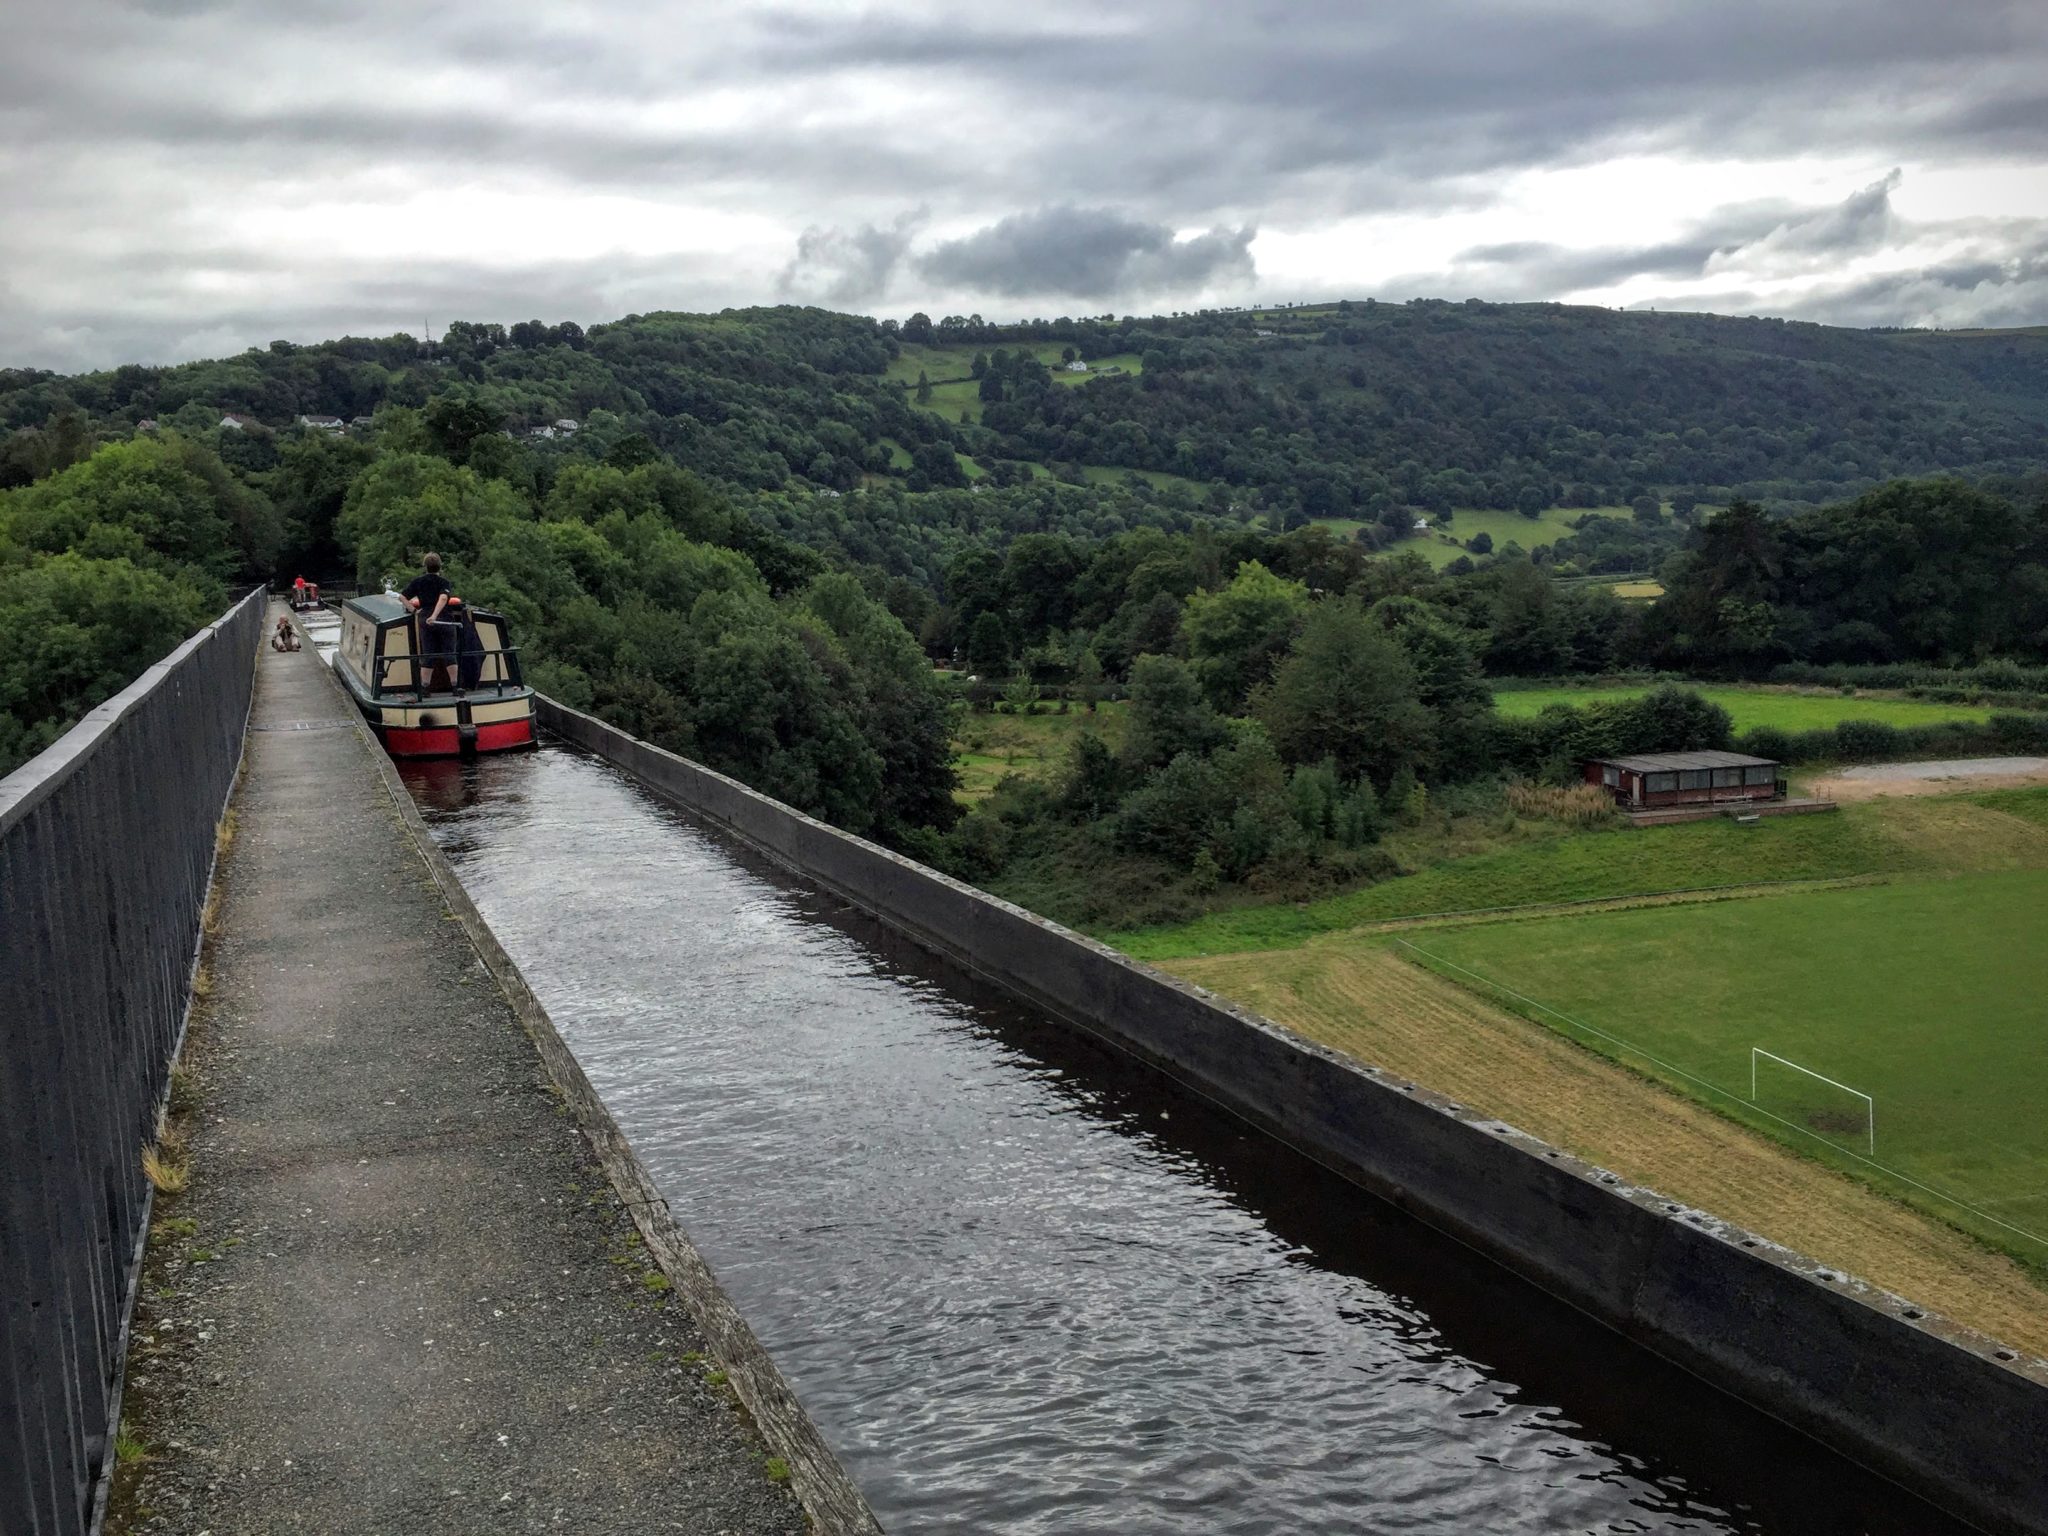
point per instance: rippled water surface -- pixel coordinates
(1026, 1286)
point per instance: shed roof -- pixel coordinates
(1666, 762)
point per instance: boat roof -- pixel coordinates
(380, 607)
(1666, 762)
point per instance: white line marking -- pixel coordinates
(1887, 1170)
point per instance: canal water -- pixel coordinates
(1027, 1286)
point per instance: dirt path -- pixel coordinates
(1948, 777)
(1357, 997)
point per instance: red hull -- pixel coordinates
(446, 740)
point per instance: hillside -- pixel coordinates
(1341, 411)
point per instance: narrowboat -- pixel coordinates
(465, 696)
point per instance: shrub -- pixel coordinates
(2020, 733)
(1866, 740)
(1768, 741)
(1579, 805)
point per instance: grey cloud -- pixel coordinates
(138, 138)
(1773, 240)
(1859, 223)
(1090, 253)
(848, 266)
(335, 298)
(1469, 86)
(1949, 296)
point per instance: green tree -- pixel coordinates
(1347, 692)
(1236, 636)
(1169, 714)
(988, 645)
(456, 423)
(81, 629)
(166, 502)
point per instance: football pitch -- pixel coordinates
(1914, 1012)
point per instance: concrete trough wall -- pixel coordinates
(106, 848)
(1942, 1410)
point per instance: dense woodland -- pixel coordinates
(771, 541)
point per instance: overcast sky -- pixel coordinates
(184, 178)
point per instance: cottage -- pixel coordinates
(1422, 525)
(1655, 779)
(147, 424)
(1077, 366)
(565, 426)
(321, 423)
(233, 423)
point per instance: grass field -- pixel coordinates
(1624, 1031)
(1546, 865)
(1638, 591)
(950, 362)
(1783, 708)
(1105, 474)
(1465, 522)
(991, 747)
(1922, 994)
(1357, 995)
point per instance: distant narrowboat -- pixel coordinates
(466, 696)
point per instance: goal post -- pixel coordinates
(1803, 1098)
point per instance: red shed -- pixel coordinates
(1686, 778)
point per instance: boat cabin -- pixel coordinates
(1687, 778)
(449, 690)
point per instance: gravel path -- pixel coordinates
(399, 1295)
(1953, 768)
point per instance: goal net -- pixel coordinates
(1833, 1111)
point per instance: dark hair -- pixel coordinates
(432, 562)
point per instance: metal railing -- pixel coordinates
(453, 661)
(106, 846)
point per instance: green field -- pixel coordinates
(1105, 474)
(955, 362)
(1923, 994)
(1782, 708)
(1548, 865)
(1443, 545)
(992, 746)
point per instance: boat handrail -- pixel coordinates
(450, 659)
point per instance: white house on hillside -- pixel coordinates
(1077, 366)
(233, 423)
(321, 423)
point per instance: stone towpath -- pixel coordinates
(399, 1294)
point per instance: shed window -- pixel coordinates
(1610, 775)
(1660, 783)
(1727, 778)
(1761, 773)
(1695, 778)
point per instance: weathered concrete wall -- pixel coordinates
(1942, 1410)
(106, 848)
